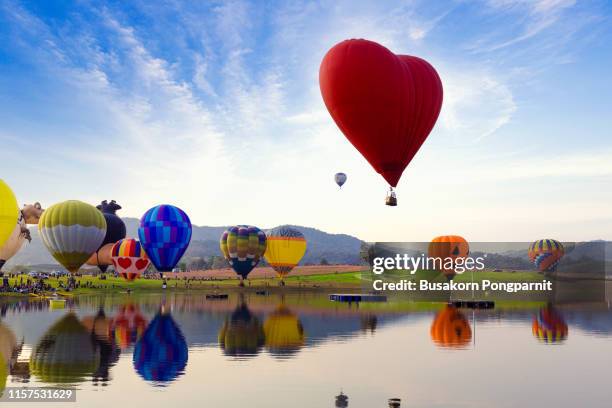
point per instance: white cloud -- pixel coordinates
(476, 104)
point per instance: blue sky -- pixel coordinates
(215, 107)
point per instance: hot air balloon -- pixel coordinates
(340, 179)
(546, 254)
(549, 326)
(129, 325)
(31, 214)
(450, 328)
(161, 353)
(242, 334)
(243, 246)
(448, 248)
(284, 249)
(129, 258)
(165, 233)
(284, 334)
(115, 230)
(67, 353)
(72, 231)
(385, 104)
(13, 244)
(9, 212)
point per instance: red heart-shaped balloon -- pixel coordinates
(142, 263)
(385, 104)
(124, 262)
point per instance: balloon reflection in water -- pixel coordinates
(451, 328)
(65, 354)
(284, 334)
(8, 345)
(161, 353)
(242, 334)
(101, 328)
(549, 326)
(129, 325)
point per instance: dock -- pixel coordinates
(217, 296)
(473, 304)
(356, 297)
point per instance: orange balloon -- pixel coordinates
(448, 246)
(451, 328)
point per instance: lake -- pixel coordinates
(302, 350)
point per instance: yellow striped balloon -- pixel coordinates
(9, 212)
(72, 231)
(286, 247)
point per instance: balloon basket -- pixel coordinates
(391, 199)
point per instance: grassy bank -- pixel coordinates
(340, 280)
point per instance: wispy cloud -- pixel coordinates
(222, 113)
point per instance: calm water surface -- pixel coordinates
(302, 350)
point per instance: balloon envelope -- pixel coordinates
(129, 258)
(448, 247)
(9, 212)
(546, 254)
(72, 231)
(243, 247)
(285, 247)
(13, 244)
(385, 104)
(165, 233)
(115, 230)
(340, 179)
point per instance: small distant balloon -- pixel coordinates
(340, 179)
(165, 233)
(546, 254)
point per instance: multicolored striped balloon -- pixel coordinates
(546, 254)
(129, 258)
(72, 231)
(165, 233)
(243, 246)
(285, 248)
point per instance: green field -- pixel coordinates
(345, 280)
